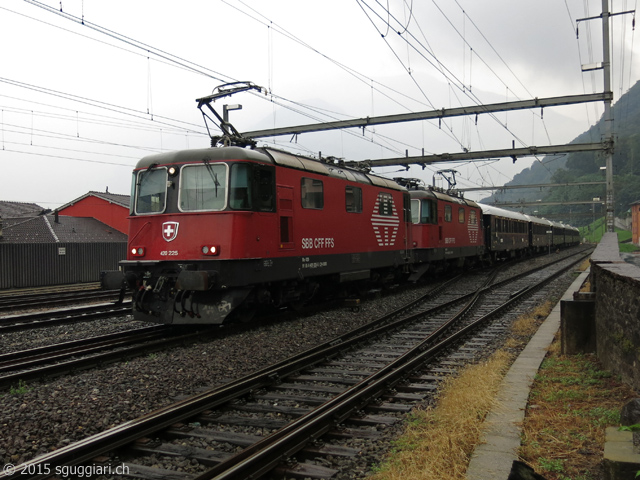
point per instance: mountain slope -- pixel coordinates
(584, 167)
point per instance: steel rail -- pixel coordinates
(28, 301)
(39, 355)
(78, 287)
(11, 323)
(97, 355)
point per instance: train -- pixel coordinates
(216, 234)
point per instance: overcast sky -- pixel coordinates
(82, 103)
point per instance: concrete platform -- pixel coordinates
(492, 459)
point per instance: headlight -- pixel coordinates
(210, 249)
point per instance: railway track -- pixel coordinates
(365, 379)
(12, 323)
(52, 289)
(48, 300)
(59, 359)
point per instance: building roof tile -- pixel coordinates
(19, 209)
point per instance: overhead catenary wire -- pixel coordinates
(406, 24)
(443, 70)
(196, 68)
(446, 73)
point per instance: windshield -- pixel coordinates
(203, 187)
(151, 191)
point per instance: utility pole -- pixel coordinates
(608, 119)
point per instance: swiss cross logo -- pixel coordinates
(170, 230)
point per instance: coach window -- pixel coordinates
(311, 193)
(353, 199)
(240, 187)
(460, 215)
(447, 213)
(151, 191)
(203, 187)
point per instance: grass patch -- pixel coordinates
(21, 389)
(628, 247)
(571, 403)
(526, 325)
(593, 234)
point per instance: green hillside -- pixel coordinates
(585, 167)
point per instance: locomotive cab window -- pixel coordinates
(312, 193)
(203, 187)
(423, 211)
(240, 187)
(353, 199)
(460, 215)
(150, 191)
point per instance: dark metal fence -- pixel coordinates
(41, 264)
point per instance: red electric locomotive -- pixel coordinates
(218, 230)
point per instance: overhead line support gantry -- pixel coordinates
(432, 114)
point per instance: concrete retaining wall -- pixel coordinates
(617, 290)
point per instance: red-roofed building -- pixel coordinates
(109, 208)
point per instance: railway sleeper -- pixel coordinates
(277, 409)
(417, 387)
(257, 422)
(372, 365)
(372, 420)
(210, 435)
(403, 396)
(320, 378)
(309, 388)
(389, 407)
(361, 373)
(349, 433)
(155, 473)
(304, 470)
(202, 455)
(307, 399)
